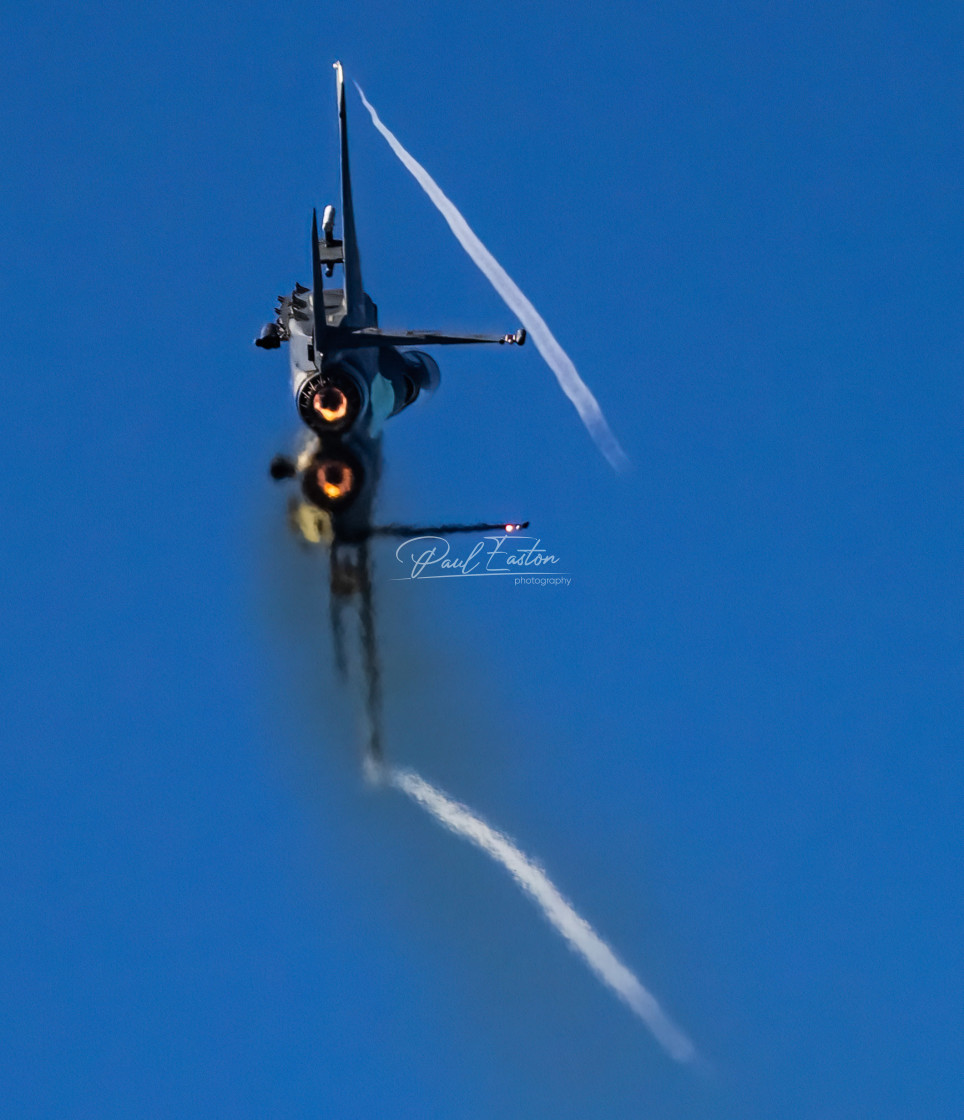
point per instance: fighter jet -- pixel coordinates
(348, 377)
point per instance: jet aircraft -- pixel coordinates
(348, 377)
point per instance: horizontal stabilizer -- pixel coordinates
(372, 336)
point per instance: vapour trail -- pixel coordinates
(557, 359)
(582, 938)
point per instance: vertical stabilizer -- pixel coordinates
(317, 292)
(354, 293)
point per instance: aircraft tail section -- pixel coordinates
(318, 290)
(355, 302)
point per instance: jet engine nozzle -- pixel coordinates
(330, 402)
(332, 481)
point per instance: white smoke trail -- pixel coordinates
(557, 359)
(582, 938)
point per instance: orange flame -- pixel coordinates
(331, 404)
(335, 480)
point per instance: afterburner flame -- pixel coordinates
(330, 403)
(335, 480)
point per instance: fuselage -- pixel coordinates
(375, 382)
(347, 376)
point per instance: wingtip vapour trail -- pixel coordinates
(556, 358)
(577, 932)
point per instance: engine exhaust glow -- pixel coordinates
(335, 480)
(330, 403)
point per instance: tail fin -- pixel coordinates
(318, 291)
(354, 292)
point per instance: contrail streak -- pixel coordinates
(557, 359)
(533, 880)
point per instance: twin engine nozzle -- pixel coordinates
(332, 479)
(330, 402)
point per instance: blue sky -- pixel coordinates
(733, 741)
